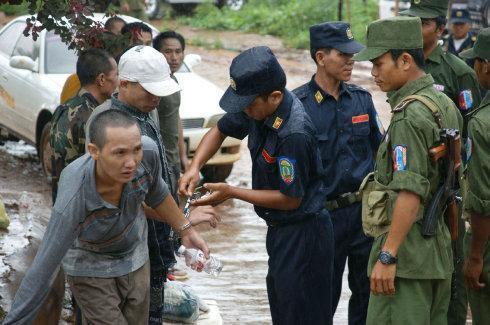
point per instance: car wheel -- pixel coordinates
(152, 9)
(183, 8)
(45, 150)
(232, 4)
(216, 173)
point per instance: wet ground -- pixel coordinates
(239, 240)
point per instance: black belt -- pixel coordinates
(343, 200)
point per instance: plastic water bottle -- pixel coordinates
(196, 258)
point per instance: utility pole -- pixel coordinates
(397, 7)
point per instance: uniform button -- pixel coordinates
(347, 169)
(341, 131)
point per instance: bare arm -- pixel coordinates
(272, 199)
(209, 145)
(405, 212)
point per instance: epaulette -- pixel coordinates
(402, 105)
(302, 91)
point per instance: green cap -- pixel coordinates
(427, 8)
(396, 33)
(481, 49)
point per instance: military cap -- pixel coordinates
(460, 16)
(481, 49)
(427, 8)
(404, 33)
(336, 34)
(253, 72)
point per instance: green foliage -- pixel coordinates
(14, 9)
(288, 19)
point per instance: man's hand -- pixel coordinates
(204, 214)
(188, 182)
(191, 239)
(383, 279)
(220, 192)
(473, 267)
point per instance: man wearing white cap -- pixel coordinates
(144, 76)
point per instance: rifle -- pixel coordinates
(445, 198)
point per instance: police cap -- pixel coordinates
(336, 34)
(253, 72)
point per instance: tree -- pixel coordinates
(71, 20)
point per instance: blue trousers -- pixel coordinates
(300, 272)
(353, 245)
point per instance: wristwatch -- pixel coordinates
(386, 258)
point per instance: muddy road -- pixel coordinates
(240, 238)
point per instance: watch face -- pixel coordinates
(386, 258)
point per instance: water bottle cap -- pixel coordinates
(181, 249)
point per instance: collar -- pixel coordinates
(277, 120)
(436, 55)
(320, 95)
(410, 88)
(89, 97)
(128, 109)
(93, 201)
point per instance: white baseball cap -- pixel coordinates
(148, 67)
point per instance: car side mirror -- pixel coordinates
(191, 60)
(23, 62)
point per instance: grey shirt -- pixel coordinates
(96, 238)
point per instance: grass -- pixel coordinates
(287, 19)
(207, 44)
(14, 10)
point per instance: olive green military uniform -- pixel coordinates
(136, 9)
(424, 266)
(477, 198)
(68, 132)
(458, 81)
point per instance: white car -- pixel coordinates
(32, 75)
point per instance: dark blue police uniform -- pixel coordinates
(285, 157)
(460, 16)
(349, 132)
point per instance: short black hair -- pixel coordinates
(314, 50)
(416, 54)
(157, 41)
(138, 25)
(111, 118)
(440, 20)
(91, 63)
(109, 24)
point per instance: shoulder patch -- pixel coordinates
(399, 158)
(465, 100)
(286, 169)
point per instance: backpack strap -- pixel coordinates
(428, 103)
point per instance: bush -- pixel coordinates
(11, 10)
(288, 19)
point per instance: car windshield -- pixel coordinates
(59, 59)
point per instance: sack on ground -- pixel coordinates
(181, 303)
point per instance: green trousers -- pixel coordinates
(480, 299)
(416, 302)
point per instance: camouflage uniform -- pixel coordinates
(68, 133)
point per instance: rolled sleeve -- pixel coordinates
(411, 168)
(234, 125)
(294, 160)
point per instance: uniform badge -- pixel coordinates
(439, 87)
(459, 13)
(286, 169)
(399, 158)
(277, 123)
(469, 149)
(360, 118)
(465, 100)
(232, 84)
(349, 33)
(318, 97)
(416, 2)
